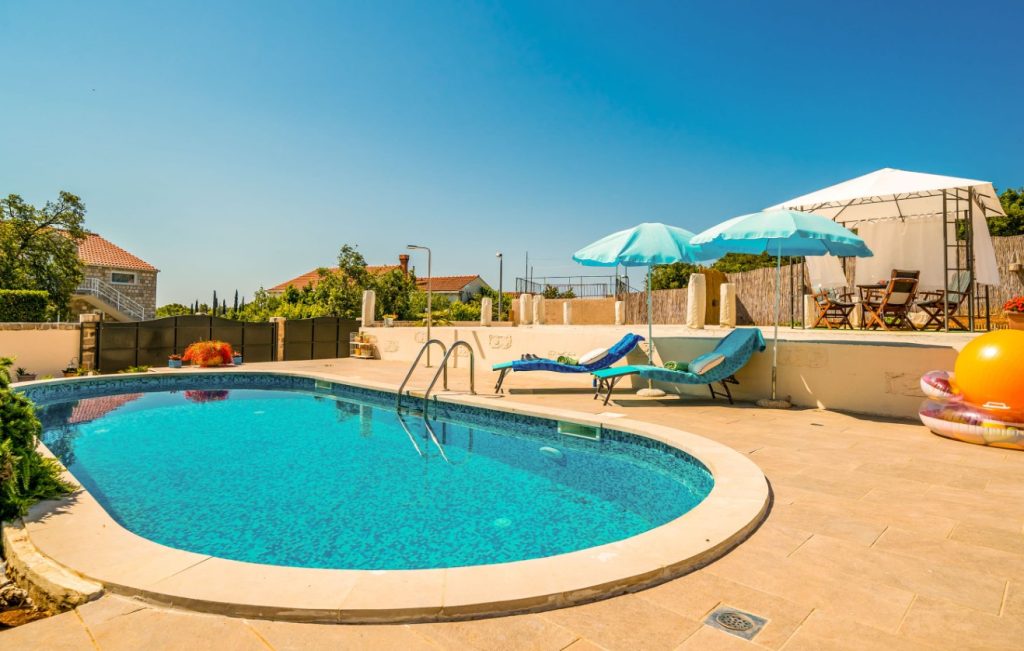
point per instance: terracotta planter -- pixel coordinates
(1016, 320)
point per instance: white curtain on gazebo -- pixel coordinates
(903, 244)
(899, 214)
(826, 272)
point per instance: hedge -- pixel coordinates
(23, 305)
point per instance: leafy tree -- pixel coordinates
(673, 276)
(1013, 205)
(172, 309)
(738, 262)
(26, 476)
(39, 246)
(395, 290)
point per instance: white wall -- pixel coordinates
(860, 372)
(41, 348)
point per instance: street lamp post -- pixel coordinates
(430, 310)
(501, 271)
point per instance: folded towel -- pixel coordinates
(676, 366)
(565, 359)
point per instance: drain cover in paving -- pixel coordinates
(736, 622)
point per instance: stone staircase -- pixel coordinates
(112, 301)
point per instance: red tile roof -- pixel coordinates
(98, 252)
(445, 283)
(313, 277)
(89, 409)
(438, 283)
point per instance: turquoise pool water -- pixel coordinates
(299, 478)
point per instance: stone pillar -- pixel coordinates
(727, 306)
(810, 310)
(486, 313)
(369, 307)
(620, 313)
(567, 313)
(87, 356)
(538, 310)
(279, 344)
(696, 301)
(857, 316)
(525, 309)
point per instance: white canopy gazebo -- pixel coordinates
(912, 220)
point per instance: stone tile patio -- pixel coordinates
(881, 535)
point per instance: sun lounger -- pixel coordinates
(737, 347)
(615, 353)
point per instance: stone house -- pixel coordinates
(117, 283)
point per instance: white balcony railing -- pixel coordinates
(111, 296)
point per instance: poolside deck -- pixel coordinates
(881, 535)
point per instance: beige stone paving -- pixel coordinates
(881, 536)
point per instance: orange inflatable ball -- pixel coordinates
(990, 370)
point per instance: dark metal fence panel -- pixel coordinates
(149, 343)
(118, 345)
(229, 331)
(155, 341)
(260, 341)
(323, 337)
(298, 339)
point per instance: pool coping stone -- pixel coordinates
(77, 534)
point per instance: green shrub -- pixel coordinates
(463, 312)
(23, 305)
(26, 476)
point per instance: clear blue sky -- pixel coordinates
(235, 145)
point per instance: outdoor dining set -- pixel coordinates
(888, 304)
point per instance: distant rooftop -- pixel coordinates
(440, 284)
(312, 278)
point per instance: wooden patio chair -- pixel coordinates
(937, 304)
(834, 308)
(893, 303)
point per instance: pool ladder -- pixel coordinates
(442, 371)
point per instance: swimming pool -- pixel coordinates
(286, 470)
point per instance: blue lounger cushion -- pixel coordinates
(737, 347)
(615, 353)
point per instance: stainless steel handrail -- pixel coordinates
(433, 437)
(408, 433)
(444, 367)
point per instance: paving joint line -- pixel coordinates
(184, 569)
(878, 537)
(88, 631)
(906, 613)
(797, 629)
(265, 641)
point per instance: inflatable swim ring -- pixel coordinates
(947, 414)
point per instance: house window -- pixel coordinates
(122, 278)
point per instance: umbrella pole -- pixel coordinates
(774, 402)
(650, 391)
(778, 304)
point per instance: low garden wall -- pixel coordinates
(870, 373)
(41, 348)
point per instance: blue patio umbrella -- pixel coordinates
(779, 233)
(644, 245)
